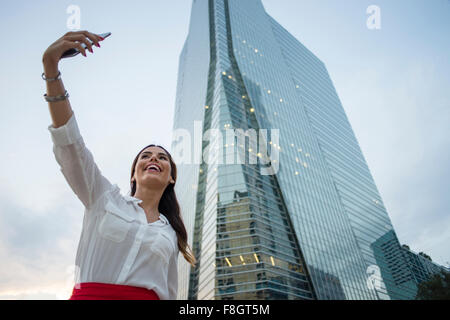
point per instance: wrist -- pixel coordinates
(50, 68)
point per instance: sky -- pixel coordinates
(393, 83)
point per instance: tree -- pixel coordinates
(437, 288)
(425, 256)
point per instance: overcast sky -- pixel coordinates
(393, 83)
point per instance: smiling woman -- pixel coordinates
(129, 245)
(168, 203)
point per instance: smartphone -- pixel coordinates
(74, 51)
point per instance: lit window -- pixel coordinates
(271, 259)
(307, 154)
(250, 150)
(299, 150)
(224, 73)
(252, 110)
(292, 144)
(228, 261)
(256, 257)
(270, 142)
(259, 154)
(242, 259)
(297, 86)
(281, 100)
(297, 160)
(243, 41)
(229, 77)
(296, 173)
(206, 107)
(256, 50)
(305, 165)
(201, 170)
(243, 97)
(268, 91)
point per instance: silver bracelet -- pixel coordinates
(56, 98)
(51, 79)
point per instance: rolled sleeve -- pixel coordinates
(66, 134)
(77, 163)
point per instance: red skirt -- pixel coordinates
(108, 291)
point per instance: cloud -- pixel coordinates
(38, 250)
(401, 122)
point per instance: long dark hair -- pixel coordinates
(168, 205)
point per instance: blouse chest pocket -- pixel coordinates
(115, 224)
(163, 247)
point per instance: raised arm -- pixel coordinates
(61, 111)
(75, 160)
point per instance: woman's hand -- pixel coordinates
(61, 111)
(70, 40)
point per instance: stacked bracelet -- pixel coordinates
(51, 79)
(56, 98)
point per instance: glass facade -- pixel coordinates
(407, 268)
(312, 229)
(422, 268)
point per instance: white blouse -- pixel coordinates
(117, 244)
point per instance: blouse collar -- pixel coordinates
(135, 200)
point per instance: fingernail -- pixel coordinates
(101, 38)
(97, 45)
(90, 49)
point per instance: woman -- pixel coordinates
(129, 245)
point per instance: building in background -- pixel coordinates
(407, 269)
(311, 230)
(422, 267)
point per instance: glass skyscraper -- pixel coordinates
(311, 229)
(409, 269)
